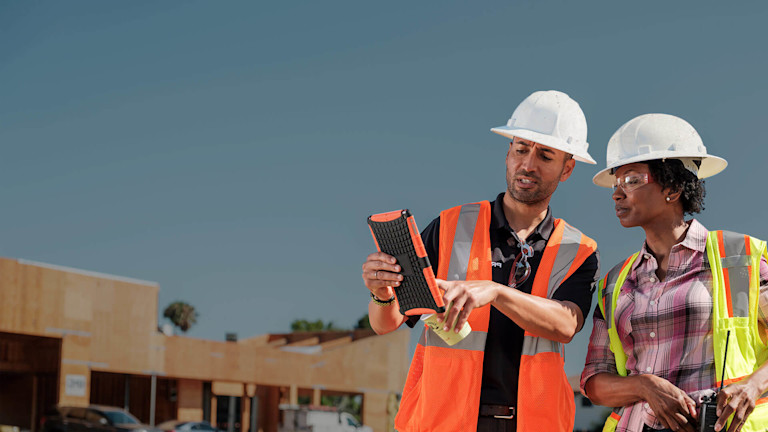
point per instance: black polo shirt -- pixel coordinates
(504, 344)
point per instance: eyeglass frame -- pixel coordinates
(622, 181)
(526, 251)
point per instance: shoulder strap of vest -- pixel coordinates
(566, 250)
(608, 290)
(458, 226)
(733, 266)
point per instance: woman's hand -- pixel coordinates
(671, 406)
(738, 399)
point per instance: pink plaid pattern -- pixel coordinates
(665, 326)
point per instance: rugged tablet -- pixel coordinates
(395, 233)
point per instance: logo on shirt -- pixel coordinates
(495, 264)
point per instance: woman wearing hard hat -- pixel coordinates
(666, 314)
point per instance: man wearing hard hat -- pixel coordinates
(686, 313)
(521, 278)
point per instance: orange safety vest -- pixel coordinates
(442, 391)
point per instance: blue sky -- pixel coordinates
(232, 151)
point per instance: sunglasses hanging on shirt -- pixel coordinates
(521, 269)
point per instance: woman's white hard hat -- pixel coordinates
(658, 136)
(553, 119)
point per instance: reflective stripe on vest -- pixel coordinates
(731, 268)
(443, 377)
(734, 260)
(462, 242)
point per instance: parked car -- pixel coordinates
(301, 419)
(93, 418)
(186, 426)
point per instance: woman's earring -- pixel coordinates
(667, 199)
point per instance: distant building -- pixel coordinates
(74, 337)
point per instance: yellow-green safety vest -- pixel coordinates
(735, 263)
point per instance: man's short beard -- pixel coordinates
(535, 196)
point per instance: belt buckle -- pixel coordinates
(507, 417)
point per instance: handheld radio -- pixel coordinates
(708, 415)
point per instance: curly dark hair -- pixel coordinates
(670, 173)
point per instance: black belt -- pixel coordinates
(497, 411)
(647, 428)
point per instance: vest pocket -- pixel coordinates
(546, 401)
(740, 359)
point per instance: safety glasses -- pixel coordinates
(630, 182)
(521, 269)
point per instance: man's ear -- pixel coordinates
(567, 169)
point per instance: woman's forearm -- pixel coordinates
(612, 390)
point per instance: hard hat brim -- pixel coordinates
(543, 139)
(710, 165)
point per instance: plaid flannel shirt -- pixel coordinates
(665, 326)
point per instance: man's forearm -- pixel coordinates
(552, 319)
(385, 319)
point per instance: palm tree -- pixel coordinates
(182, 315)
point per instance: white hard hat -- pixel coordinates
(553, 119)
(658, 136)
